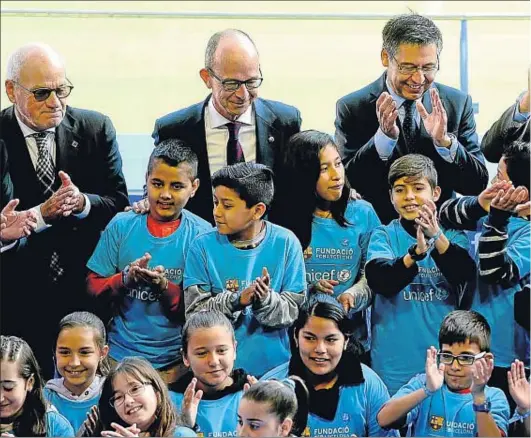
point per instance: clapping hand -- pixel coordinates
(121, 431)
(263, 285)
(436, 121)
(434, 372)
(481, 372)
(387, 113)
(16, 224)
(509, 199)
(519, 387)
(190, 403)
(427, 219)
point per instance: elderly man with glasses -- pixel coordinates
(405, 111)
(64, 162)
(232, 124)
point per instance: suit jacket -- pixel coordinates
(356, 124)
(276, 122)
(7, 185)
(503, 132)
(87, 150)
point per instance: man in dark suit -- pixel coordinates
(232, 124)
(404, 112)
(65, 161)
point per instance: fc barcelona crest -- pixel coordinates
(436, 423)
(232, 285)
(308, 252)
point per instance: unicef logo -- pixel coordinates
(441, 294)
(343, 275)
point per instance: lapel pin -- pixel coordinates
(75, 144)
(271, 139)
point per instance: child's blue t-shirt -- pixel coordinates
(448, 413)
(357, 410)
(338, 253)
(140, 325)
(509, 341)
(404, 325)
(74, 411)
(214, 417)
(216, 266)
(57, 425)
(183, 431)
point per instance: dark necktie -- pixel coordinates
(45, 171)
(409, 126)
(234, 148)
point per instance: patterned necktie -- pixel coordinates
(45, 169)
(46, 175)
(234, 148)
(409, 125)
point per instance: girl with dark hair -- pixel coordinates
(81, 360)
(345, 395)
(211, 391)
(23, 410)
(334, 230)
(274, 408)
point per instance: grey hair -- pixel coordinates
(20, 56)
(412, 29)
(214, 40)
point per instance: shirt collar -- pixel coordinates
(26, 130)
(217, 120)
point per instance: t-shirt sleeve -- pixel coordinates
(458, 238)
(413, 385)
(379, 246)
(373, 222)
(104, 260)
(195, 268)
(57, 425)
(295, 274)
(377, 395)
(499, 409)
(518, 250)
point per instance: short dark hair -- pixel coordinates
(252, 181)
(174, 152)
(412, 29)
(460, 326)
(213, 43)
(414, 166)
(516, 157)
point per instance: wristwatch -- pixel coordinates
(483, 407)
(414, 255)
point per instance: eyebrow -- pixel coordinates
(462, 352)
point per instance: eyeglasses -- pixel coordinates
(134, 391)
(234, 84)
(409, 69)
(462, 359)
(41, 94)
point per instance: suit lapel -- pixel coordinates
(266, 135)
(67, 145)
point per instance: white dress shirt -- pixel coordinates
(217, 136)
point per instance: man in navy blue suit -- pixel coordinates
(232, 124)
(405, 111)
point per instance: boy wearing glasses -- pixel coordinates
(452, 397)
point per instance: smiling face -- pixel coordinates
(41, 70)
(409, 194)
(140, 406)
(211, 353)
(331, 174)
(169, 189)
(14, 389)
(256, 420)
(456, 376)
(410, 86)
(78, 356)
(235, 58)
(321, 345)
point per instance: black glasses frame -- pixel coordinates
(460, 357)
(235, 84)
(42, 93)
(426, 71)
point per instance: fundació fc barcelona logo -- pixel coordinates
(308, 252)
(232, 285)
(436, 422)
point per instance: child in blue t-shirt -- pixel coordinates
(139, 263)
(344, 394)
(334, 230)
(416, 270)
(81, 360)
(209, 394)
(249, 269)
(499, 220)
(452, 397)
(24, 411)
